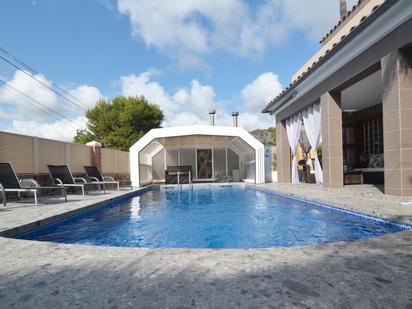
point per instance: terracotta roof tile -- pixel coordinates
(341, 20)
(327, 51)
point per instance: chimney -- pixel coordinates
(343, 8)
(234, 116)
(212, 113)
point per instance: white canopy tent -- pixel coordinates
(233, 154)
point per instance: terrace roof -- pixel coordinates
(366, 14)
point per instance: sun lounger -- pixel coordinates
(9, 182)
(95, 176)
(62, 176)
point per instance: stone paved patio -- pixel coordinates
(21, 215)
(366, 199)
(370, 273)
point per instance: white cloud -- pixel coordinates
(261, 91)
(256, 120)
(28, 86)
(190, 105)
(62, 130)
(189, 29)
(44, 97)
(186, 118)
(87, 95)
(136, 85)
(25, 118)
(6, 116)
(166, 24)
(185, 106)
(201, 97)
(254, 96)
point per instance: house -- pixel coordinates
(360, 84)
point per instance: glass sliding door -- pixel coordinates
(158, 165)
(232, 161)
(188, 158)
(219, 158)
(172, 157)
(204, 163)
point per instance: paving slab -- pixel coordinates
(366, 199)
(369, 273)
(17, 217)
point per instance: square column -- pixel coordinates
(397, 122)
(332, 153)
(283, 153)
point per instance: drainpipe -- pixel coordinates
(212, 113)
(234, 116)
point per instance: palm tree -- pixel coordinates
(343, 9)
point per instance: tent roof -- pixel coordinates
(195, 135)
(142, 152)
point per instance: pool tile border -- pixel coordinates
(331, 207)
(384, 221)
(25, 228)
(319, 204)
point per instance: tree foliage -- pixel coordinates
(272, 132)
(266, 136)
(121, 123)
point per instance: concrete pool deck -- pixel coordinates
(366, 199)
(368, 273)
(19, 216)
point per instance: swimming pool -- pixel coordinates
(212, 217)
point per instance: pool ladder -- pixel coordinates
(179, 185)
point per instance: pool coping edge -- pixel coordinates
(25, 228)
(28, 227)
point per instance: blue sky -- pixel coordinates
(186, 56)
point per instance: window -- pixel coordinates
(349, 145)
(373, 137)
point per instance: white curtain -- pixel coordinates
(312, 122)
(293, 125)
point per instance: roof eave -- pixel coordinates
(268, 108)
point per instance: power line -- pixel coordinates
(45, 85)
(46, 111)
(17, 60)
(44, 108)
(35, 72)
(39, 81)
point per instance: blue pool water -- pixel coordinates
(212, 217)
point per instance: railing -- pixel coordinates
(179, 185)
